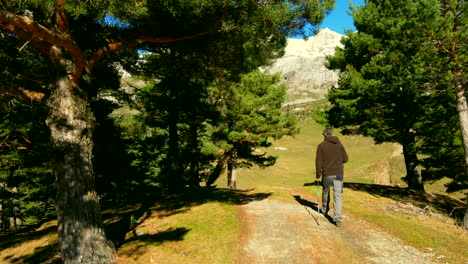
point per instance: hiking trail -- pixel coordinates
(277, 232)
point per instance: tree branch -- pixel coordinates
(61, 17)
(139, 37)
(12, 23)
(114, 46)
(18, 25)
(23, 93)
(41, 46)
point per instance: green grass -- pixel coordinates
(296, 163)
(430, 231)
(209, 234)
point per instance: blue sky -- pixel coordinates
(339, 20)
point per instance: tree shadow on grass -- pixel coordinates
(20, 236)
(441, 203)
(171, 234)
(43, 254)
(122, 219)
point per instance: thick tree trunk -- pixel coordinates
(462, 108)
(80, 228)
(413, 175)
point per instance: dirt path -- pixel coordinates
(291, 232)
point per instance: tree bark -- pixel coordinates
(413, 175)
(232, 177)
(176, 181)
(15, 219)
(71, 122)
(462, 108)
(2, 227)
(195, 157)
(232, 171)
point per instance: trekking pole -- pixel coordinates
(318, 202)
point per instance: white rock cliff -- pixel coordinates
(303, 69)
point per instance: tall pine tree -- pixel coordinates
(381, 92)
(251, 116)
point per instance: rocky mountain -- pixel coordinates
(303, 69)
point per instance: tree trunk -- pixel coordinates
(71, 122)
(465, 219)
(233, 181)
(176, 181)
(413, 175)
(195, 157)
(462, 108)
(15, 219)
(2, 227)
(232, 171)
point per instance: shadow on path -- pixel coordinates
(441, 203)
(314, 209)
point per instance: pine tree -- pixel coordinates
(251, 117)
(26, 180)
(403, 81)
(451, 41)
(382, 92)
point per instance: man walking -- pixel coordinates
(331, 155)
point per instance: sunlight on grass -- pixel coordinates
(296, 163)
(434, 234)
(43, 249)
(207, 233)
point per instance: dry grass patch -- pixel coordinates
(419, 224)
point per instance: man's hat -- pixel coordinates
(327, 132)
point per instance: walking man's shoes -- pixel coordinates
(323, 211)
(338, 223)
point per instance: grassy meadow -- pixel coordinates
(203, 226)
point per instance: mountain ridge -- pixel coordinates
(303, 66)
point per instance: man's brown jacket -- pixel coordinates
(330, 157)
